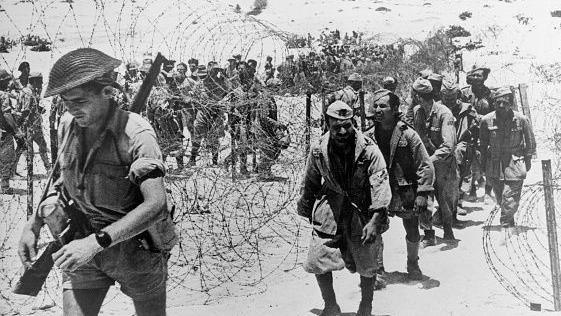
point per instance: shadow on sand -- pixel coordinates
(397, 277)
(316, 311)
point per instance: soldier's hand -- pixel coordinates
(368, 233)
(421, 203)
(76, 253)
(27, 247)
(528, 162)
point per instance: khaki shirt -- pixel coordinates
(505, 146)
(104, 180)
(436, 129)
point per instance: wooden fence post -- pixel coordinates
(525, 105)
(308, 121)
(552, 233)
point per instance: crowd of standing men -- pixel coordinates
(376, 158)
(375, 161)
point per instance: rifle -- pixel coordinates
(65, 223)
(139, 102)
(69, 223)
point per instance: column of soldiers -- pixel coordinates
(20, 117)
(446, 135)
(199, 103)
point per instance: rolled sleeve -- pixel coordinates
(146, 155)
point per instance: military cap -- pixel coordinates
(193, 61)
(339, 110)
(370, 110)
(355, 77)
(435, 77)
(501, 92)
(380, 93)
(78, 67)
(35, 74)
(4, 75)
(238, 57)
(231, 59)
(422, 86)
(389, 80)
(486, 70)
(449, 87)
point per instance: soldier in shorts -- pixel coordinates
(111, 168)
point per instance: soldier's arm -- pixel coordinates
(483, 142)
(311, 185)
(529, 139)
(378, 178)
(423, 164)
(448, 132)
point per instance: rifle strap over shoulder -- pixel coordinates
(56, 164)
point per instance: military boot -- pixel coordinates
(325, 282)
(429, 239)
(448, 232)
(413, 270)
(367, 293)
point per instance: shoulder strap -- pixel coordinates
(56, 164)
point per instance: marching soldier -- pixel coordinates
(410, 169)
(467, 137)
(111, 169)
(349, 173)
(479, 96)
(507, 146)
(435, 125)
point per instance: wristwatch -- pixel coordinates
(103, 239)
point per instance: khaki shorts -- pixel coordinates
(142, 274)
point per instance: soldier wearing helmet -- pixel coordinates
(111, 168)
(348, 171)
(410, 169)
